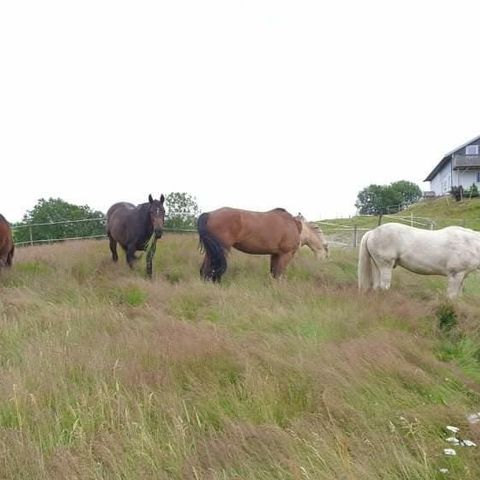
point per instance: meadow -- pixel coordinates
(106, 375)
(443, 211)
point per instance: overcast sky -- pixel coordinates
(252, 104)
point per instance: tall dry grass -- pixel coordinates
(104, 374)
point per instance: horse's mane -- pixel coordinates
(3, 219)
(315, 228)
(279, 209)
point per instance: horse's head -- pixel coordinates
(156, 213)
(313, 237)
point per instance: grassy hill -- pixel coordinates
(104, 374)
(443, 211)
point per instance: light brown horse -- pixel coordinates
(313, 238)
(275, 233)
(7, 247)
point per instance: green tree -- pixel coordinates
(377, 199)
(181, 210)
(48, 213)
(472, 191)
(409, 192)
(381, 199)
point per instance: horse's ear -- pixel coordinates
(298, 223)
(150, 199)
(162, 198)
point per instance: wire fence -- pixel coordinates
(61, 231)
(346, 235)
(349, 234)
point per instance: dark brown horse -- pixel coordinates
(7, 247)
(274, 233)
(133, 227)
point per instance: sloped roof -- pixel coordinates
(446, 158)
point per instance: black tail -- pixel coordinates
(214, 249)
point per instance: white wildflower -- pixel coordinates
(453, 440)
(473, 418)
(453, 429)
(449, 452)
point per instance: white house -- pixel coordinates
(460, 167)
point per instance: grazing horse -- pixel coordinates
(7, 247)
(275, 233)
(313, 238)
(453, 252)
(136, 228)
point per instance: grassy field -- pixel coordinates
(105, 375)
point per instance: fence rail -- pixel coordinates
(350, 234)
(338, 234)
(69, 234)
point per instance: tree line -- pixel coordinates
(384, 199)
(46, 220)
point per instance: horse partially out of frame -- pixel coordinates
(7, 247)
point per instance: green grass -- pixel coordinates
(443, 211)
(104, 374)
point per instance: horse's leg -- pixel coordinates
(282, 262)
(385, 270)
(455, 283)
(113, 248)
(274, 265)
(150, 255)
(130, 250)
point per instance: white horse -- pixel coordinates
(453, 252)
(313, 238)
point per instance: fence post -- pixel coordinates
(31, 236)
(411, 219)
(354, 236)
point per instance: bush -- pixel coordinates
(446, 316)
(472, 191)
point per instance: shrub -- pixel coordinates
(447, 317)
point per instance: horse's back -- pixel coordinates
(119, 207)
(398, 233)
(255, 232)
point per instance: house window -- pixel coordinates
(478, 177)
(471, 150)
